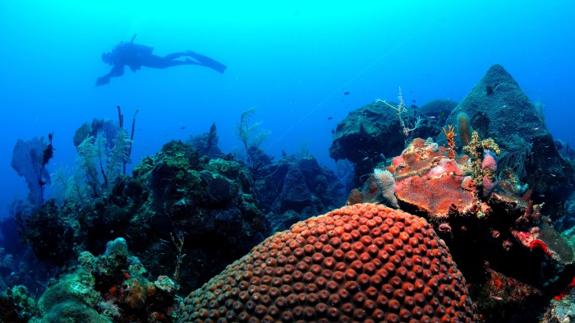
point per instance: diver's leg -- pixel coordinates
(167, 61)
(170, 60)
(175, 55)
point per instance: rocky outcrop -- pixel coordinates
(366, 136)
(295, 187)
(433, 116)
(497, 107)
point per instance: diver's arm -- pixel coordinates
(117, 70)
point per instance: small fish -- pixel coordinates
(183, 127)
(346, 93)
(330, 118)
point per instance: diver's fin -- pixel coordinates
(207, 62)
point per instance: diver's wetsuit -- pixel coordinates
(135, 56)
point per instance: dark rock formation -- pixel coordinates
(433, 116)
(50, 233)
(498, 108)
(567, 221)
(295, 187)
(366, 136)
(18, 264)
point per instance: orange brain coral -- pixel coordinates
(363, 262)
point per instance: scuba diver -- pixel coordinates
(135, 56)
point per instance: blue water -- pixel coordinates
(293, 61)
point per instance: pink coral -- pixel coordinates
(488, 185)
(489, 163)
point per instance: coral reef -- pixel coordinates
(16, 305)
(483, 213)
(207, 202)
(362, 262)
(498, 238)
(507, 299)
(109, 288)
(561, 310)
(374, 132)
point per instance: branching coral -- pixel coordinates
(178, 241)
(251, 134)
(449, 132)
(104, 150)
(401, 109)
(482, 162)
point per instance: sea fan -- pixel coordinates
(29, 160)
(87, 158)
(118, 156)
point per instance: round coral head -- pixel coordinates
(356, 289)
